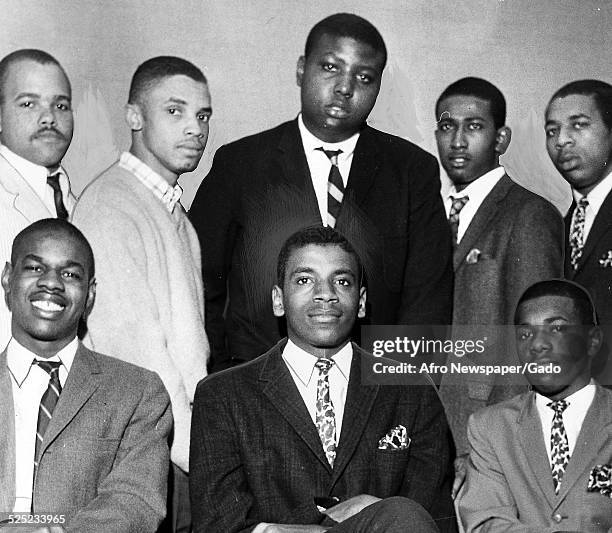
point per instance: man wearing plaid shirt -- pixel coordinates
(150, 308)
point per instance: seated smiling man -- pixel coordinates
(293, 441)
(83, 443)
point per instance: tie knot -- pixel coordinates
(48, 366)
(53, 181)
(323, 365)
(583, 203)
(558, 406)
(457, 204)
(331, 154)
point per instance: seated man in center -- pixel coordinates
(293, 441)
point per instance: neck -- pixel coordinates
(148, 159)
(41, 348)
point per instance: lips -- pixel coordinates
(458, 160)
(325, 315)
(50, 134)
(337, 110)
(48, 305)
(568, 161)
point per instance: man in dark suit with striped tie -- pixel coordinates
(84, 436)
(326, 167)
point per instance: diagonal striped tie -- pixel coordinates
(335, 187)
(47, 403)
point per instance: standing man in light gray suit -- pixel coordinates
(542, 461)
(84, 436)
(505, 239)
(35, 131)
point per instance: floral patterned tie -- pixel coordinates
(576, 238)
(559, 447)
(326, 419)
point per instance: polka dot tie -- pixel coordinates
(559, 447)
(47, 403)
(453, 216)
(325, 419)
(576, 239)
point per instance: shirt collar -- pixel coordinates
(311, 142)
(19, 358)
(480, 187)
(35, 175)
(581, 399)
(302, 362)
(597, 196)
(163, 191)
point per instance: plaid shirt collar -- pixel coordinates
(169, 196)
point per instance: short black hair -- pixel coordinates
(157, 68)
(562, 287)
(478, 88)
(58, 227)
(600, 91)
(347, 25)
(25, 54)
(319, 235)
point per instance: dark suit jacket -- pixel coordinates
(256, 454)
(509, 484)
(514, 240)
(104, 458)
(259, 192)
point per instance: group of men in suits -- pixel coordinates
(291, 441)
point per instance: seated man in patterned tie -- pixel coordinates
(542, 461)
(84, 436)
(293, 441)
(36, 130)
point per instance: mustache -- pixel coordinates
(46, 131)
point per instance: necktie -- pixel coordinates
(60, 208)
(335, 187)
(559, 446)
(325, 419)
(576, 239)
(453, 216)
(47, 403)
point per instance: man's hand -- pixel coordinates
(460, 472)
(293, 528)
(350, 507)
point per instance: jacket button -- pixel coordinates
(557, 517)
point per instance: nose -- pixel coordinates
(346, 85)
(52, 280)
(564, 137)
(197, 128)
(325, 291)
(47, 116)
(541, 341)
(459, 139)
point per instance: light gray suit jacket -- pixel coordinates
(19, 207)
(104, 459)
(509, 484)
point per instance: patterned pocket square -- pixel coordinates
(606, 260)
(395, 439)
(473, 256)
(600, 480)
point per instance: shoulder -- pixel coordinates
(529, 200)
(395, 146)
(495, 417)
(262, 140)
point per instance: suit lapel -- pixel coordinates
(593, 436)
(532, 442)
(295, 165)
(24, 199)
(359, 402)
(7, 438)
(601, 225)
(279, 388)
(83, 380)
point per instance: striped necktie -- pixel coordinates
(325, 416)
(335, 187)
(47, 403)
(60, 208)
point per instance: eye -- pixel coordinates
(475, 126)
(27, 104)
(557, 328)
(204, 117)
(580, 125)
(71, 275)
(63, 107)
(303, 280)
(444, 126)
(173, 111)
(551, 132)
(364, 78)
(32, 268)
(344, 282)
(523, 334)
(330, 67)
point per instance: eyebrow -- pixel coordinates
(36, 95)
(180, 101)
(68, 264)
(548, 321)
(308, 270)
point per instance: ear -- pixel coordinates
(277, 301)
(6, 282)
(361, 313)
(133, 117)
(91, 298)
(594, 341)
(502, 139)
(299, 71)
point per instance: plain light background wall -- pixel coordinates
(248, 50)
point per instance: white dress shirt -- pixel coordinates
(301, 366)
(320, 165)
(36, 177)
(29, 384)
(476, 191)
(596, 197)
(573, 416)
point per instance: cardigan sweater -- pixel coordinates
(149, 307)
